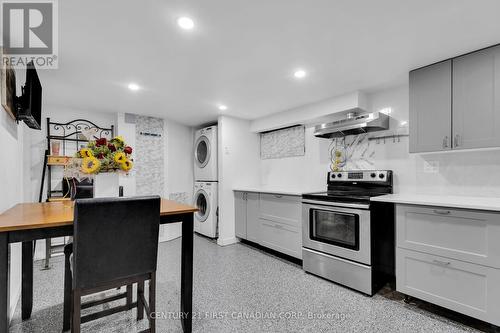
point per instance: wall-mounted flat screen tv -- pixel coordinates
(30, 103)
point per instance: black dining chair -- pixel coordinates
(115, 244)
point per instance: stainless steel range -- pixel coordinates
(345, 237)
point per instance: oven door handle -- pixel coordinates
(336, 204)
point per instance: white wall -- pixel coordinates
(238, 150)
(464, 172)
(39, 140)
(300, 173)
(310, 113)
(178, 164)
(180, 158)
(127, 130)
(38, 145)
(179, 173)
(15, 188)
(468, 172)
(178, 155)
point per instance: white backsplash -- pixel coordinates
(466, 172)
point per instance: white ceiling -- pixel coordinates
(242, 53)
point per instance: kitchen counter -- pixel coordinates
(272, 190)
(452, 201)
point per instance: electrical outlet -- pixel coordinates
(431, 166)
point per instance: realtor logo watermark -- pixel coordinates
(29, 33)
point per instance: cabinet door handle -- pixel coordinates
(442, 212)
(245, 196)
(278, 196)
(457, 139)
(278, 226)
(442, 263)
(445, 142)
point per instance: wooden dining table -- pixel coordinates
(27, 222)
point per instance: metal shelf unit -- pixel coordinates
(70, 137)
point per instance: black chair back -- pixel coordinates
(114, 238)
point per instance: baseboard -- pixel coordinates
(227, 241)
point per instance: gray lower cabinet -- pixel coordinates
(476, 99)
(253, 217)
(430, 108)
(240, 214)
(271, 220)
(246, 217)
(280, 223)
(450, 257)
(281, 237)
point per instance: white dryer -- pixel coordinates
(205, 154)
(205, 199)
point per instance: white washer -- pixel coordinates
(205, 154)
(205, 199)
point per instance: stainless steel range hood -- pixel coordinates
(353, 124)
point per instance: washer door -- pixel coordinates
(202, 202)
(202, 151)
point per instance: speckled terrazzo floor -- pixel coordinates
(239, 288)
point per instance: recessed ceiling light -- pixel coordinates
(222, 107)
(300, 73)
(133, 86)
(185, 23)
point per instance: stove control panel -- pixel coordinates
(361, 176)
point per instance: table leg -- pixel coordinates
(4, 282)
(27, 280)
(187, 273)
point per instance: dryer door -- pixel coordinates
(202, 202)
(202, 151)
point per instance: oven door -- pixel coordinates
(342, 231)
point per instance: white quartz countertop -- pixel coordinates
(452, 201)
(272, 190)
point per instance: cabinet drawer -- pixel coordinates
(281, 208)
(463, 287)
(459, 234)
(281, 237)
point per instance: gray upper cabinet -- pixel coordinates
(476, 99)
(455, 104)
(430, 108)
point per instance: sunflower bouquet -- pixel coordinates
(102, 155)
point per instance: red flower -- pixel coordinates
(111, 147)
(100, 156)
(101, 142)
(127, 150)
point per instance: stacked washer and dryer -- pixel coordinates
(205, 186)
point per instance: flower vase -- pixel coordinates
(106, 185)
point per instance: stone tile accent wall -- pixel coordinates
(282, 143)
(149, 152)
(357, 152)
(181, 197)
